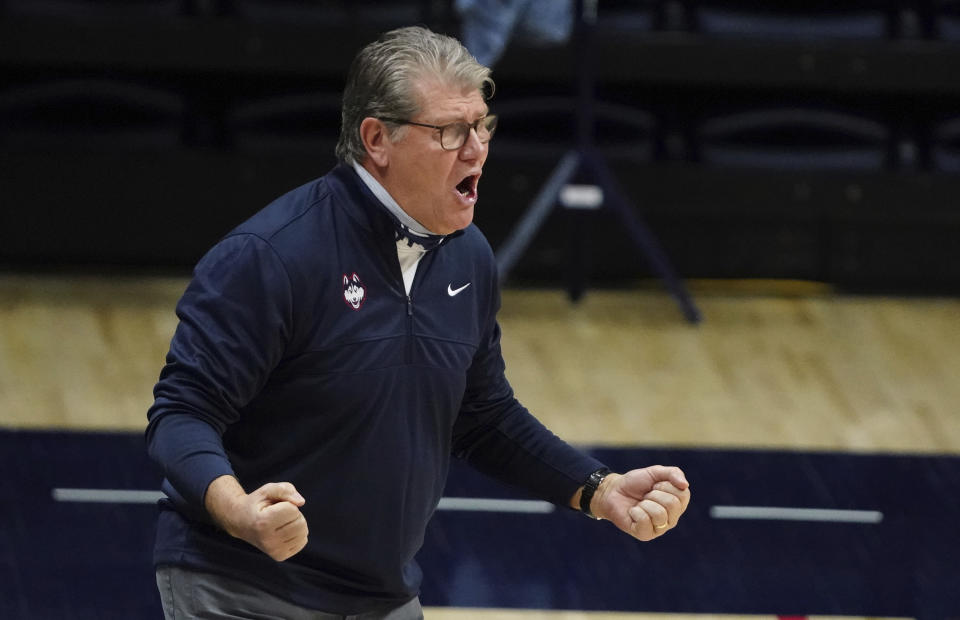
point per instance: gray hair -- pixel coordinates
(382, 80)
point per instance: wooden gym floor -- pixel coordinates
(774, 365)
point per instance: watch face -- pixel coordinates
(597, 477)
(589, 488)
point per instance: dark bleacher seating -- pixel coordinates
(945, 146)
(298, 122)
(90, 114)
(759, 139)
(94, 8)
(381, 14)
(793, 19)
(544, 128)
(794, 139)
(946, 19)
(628, 15)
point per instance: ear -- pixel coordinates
(345, 281)
(373, 133)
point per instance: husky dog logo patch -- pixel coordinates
(353, 291)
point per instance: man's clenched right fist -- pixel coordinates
(269, 518)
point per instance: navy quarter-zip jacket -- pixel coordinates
(299, 357)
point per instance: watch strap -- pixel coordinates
(589, 488)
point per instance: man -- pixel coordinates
(332, 353)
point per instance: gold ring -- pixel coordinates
(660, 527)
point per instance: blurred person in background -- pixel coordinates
(488, 26)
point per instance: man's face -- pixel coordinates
(436, 187)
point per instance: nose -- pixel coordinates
(473, 148)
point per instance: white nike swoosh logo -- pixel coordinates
(455, 291)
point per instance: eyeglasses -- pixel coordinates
(454, 135)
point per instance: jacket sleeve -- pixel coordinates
(498, 436)
(235, 318)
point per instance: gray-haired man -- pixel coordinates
(336, 349)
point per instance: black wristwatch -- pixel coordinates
(589, 488)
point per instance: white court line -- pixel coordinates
(481, 504)
(107, 496)
(796, 514)
(474, 504)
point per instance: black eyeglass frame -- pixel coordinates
(490, 119)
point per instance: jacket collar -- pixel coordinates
(372, 213)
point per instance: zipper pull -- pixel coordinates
(409, 306)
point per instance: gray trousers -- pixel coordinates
(188, 594)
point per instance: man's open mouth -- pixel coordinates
(468, 186)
